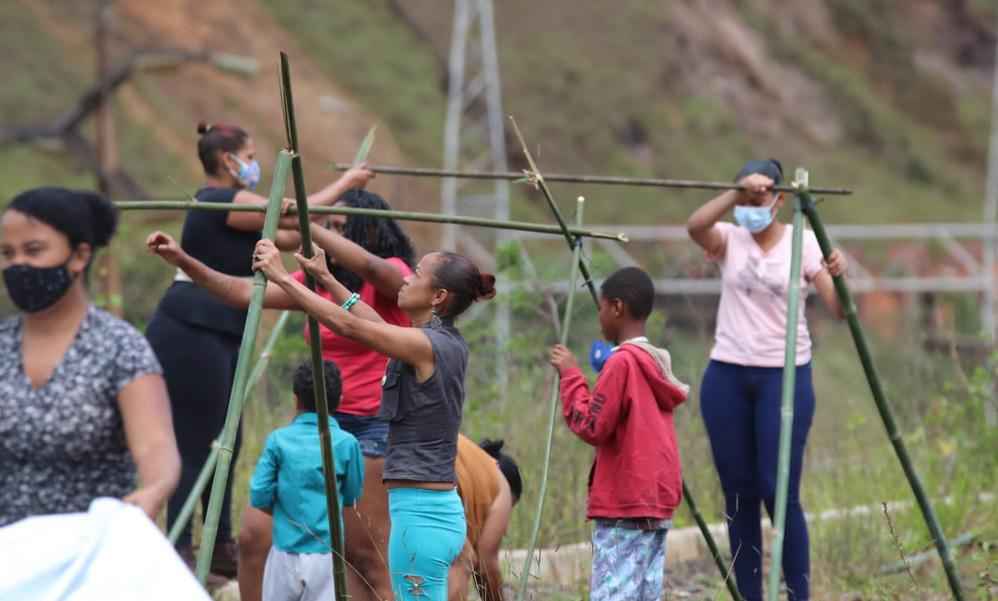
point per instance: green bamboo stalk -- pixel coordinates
(553, 404)
(365, 146)
(261, 363)
(787, 401)
(322, 408)
(522, 226)
(192, 499)
(536, 175)
(726, 571)
(237, 394)
(579, 179)
(880, 398)
(209, 465)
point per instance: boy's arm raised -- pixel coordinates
(592, 416)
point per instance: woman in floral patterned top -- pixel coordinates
(83, 406)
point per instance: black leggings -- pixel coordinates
(198, 365)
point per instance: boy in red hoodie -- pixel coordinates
(635, 482)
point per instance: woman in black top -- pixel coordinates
(195, 336)
(422, 399)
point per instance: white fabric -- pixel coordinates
(298, 576)
(113, 552)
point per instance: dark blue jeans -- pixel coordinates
(741, 409)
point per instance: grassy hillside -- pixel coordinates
(667, 100)
(42, 81)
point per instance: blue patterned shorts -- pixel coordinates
(628, 560)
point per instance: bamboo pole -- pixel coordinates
(522, 226)
(787, 400)
(237, 395)
(180, 522)
(553, 404)
(880, 398)
(538, 179)
(536, 176)
(334, 514)
(715, 553)
(579, 179)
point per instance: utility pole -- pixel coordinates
(988, 263)
(108, 271)
(474, 138)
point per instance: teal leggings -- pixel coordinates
(428, 532)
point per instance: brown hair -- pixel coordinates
(216, 139)
(462, 279)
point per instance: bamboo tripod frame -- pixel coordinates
(804, 206)
(237, 396)
(575, 243)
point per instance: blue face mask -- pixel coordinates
(599, 354)
(754, 219)
(249, 173)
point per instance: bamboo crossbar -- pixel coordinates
(609, 180)
(521, 226)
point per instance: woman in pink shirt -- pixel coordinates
(371, 256)
(741, 389)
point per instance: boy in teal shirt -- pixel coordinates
(288, 483)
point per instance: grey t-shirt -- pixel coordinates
(424, 418)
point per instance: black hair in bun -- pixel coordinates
(82, 216)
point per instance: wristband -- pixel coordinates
(350, 302)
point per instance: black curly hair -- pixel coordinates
(379, 236)
(507, 466)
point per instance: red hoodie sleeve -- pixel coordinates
(593, 417)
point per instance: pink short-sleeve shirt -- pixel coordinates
(752, 315)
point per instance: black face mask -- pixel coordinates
(35, 289)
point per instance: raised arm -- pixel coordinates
(593, 416)
(145, 413)
(702, 223)
(384, 276)
(409, 345)
(231, 290)
(253, 222)
(319, 269)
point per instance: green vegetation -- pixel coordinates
(44, 83)
(591, 100)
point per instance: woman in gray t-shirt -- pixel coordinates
(422, 400)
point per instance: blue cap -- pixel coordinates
(599, 353)
(771, 168)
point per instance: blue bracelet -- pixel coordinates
(350, 302)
